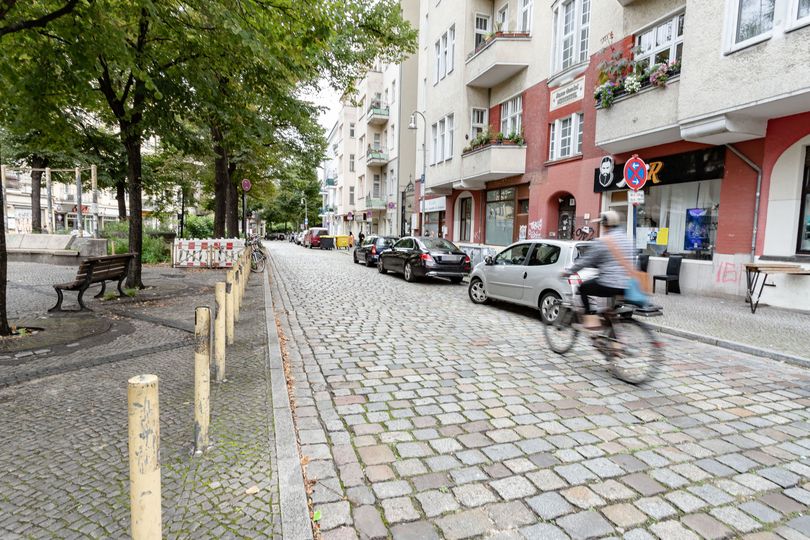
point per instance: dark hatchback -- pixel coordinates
(369, 251)
(415, 257)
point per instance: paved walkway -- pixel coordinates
(426, 416)
(64, 465)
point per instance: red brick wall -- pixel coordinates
(737, 196)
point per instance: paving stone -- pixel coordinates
(686, 502)
(780, 476)
(472, 495)
(419, 530)
(582, 497)
(638, 534)
(369, 523)
(413, 450)
(583, 525)
(393, 488)
(655, 507)
(800, 524)
(360, 495)
(707, 527)
(466, 524)
(376, 455)
(334, 515)
(341, 533)
(760, 512)
(755, 482)
(800, 495)
(612, 490)
(510, 515)
(431, 481)
(513, 487)
(400, 509)
(575, 474)
(410, 467)
(378, 473)
(735, 518)
(738, 462)
(643, 484)
(550, 505)
(624, 515)
(672, 530)
(669, 478)
(711, 494)
(543, 530)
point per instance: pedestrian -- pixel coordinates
(351, 239)
(360, 238)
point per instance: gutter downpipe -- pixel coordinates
(757, 200)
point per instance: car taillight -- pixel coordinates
(466, 259)
(574, 279)
(426, 257)
(373, 250)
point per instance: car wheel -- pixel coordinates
(381, 267)
(354, 256)
(477, 292)
(408, 274)
(549, 309)
(368, 262)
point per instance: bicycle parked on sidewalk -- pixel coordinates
(630, 347)
(258, 256)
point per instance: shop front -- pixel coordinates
(507, 215)
(434, 211)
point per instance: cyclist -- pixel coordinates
(613, 278)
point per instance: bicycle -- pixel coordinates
(630, 347)
(258, 257)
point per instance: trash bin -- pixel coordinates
(327, 242)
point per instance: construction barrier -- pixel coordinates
(206, 253)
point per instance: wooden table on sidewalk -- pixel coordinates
(755, 271)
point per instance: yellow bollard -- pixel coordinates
(202, 377)
(229, 307)
(144, 457)
(237, 276)
(219, 332)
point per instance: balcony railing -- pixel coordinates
(330, 182)
(492, 162)
(375, 203)
(376, 157)
(501, 56)
(377, 113)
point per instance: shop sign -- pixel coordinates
(350, 216)
(635, 173)
(434, 205)
(569, 93)
(707, 164)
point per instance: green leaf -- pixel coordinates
(316, 517)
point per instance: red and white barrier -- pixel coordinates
(206, 253)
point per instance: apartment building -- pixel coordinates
(371, 150)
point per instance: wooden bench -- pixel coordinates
(95, 270)
(754, 271)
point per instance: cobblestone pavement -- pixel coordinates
(427, 416)
(64, 465)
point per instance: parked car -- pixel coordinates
(312, 237)
(369, 251)
(298, 238)
(529, 273)
(415, 257)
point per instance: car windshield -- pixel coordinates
(438, 243)
(385, 242)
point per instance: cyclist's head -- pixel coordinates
(610, 219)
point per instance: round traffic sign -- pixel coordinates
(635, 173)
(245, 185)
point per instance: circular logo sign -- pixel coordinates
(635, 173)
(246, 185)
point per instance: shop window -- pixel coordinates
(465, 220)
(523, 206)
(804, 224)
(500, 220)
(661, 43)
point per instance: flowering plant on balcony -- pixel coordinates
(605, 94)
(660, 73)
(632, 84)
(623, 76)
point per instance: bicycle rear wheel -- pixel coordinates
(634, 353)
(257, 262)
(560, 334)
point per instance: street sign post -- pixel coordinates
(245, 188)
(635, 173)
(246, 185)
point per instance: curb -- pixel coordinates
(295, 522)
(734, 346)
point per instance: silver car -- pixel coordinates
(528, 273)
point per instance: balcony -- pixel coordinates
(375, 203)
(647, 118)
(491, 162)
(377, 114)
(376, 157)
(330, 182)
(501, 57)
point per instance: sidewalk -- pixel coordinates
(64, 465)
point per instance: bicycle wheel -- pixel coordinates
(634, 353)
(560, 334)
(257, 262)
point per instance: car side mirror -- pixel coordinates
(488, 260)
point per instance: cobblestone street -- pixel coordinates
(426, 416)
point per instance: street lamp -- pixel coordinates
(412, 125)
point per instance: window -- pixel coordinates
(481, 29)
(502, 19)
(448, 148)
(442, 137)
(526, 11)
(465, 219)
(444, 62)
(512, 116)
(393, 131)
(435, 153)
(571, 30)
(544, 254)
(445, 52)
(362, 144)
(804, 213)
(351, 195)
(351, 162)
(500, 216)
(451, 48)
(375, 194)
(385, 136)
(565, 137)
(801, 12)
(393, 91)
(351, 130)
(514, 256)
(661, 43)
(753, 19)
(437, 74)
(478, 122)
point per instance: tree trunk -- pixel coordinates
(220, 182)
(232, 210)
(121, 197)
(37, 162)
(5, 330)
(132, 142)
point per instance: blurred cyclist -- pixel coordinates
(613, 278)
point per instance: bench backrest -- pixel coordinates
(104, 268)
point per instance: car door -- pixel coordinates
(507, 274)
(543, 269)
(401, 251)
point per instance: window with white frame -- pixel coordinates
(526, 12)
(375, 190)
(351, 130)
(363, 144)
(448, 141)
(512, 116)
(438, 73)
(393, 91)
(445, 48)
(351, 195)
(451, 48)
(442, 126)
(435, 148)
(571, 30)
(443, 139)
(753, 20)
(565, 137)
(351, 162)
(481, 28)
(502, 19)
(377, 146)
(661, 43)
(800, 12)
(393, 131)
(478, 122)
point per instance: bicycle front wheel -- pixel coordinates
(560, 333)
(257, 262)
(634, 354)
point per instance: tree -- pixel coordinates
(16, 16)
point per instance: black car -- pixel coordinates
(369, 251)
(415, 257)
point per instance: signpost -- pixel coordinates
(635, 174)
(245, 188)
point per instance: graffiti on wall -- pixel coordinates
(728, 272)
(535, 229)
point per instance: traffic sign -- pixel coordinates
(635, 173)
(246, 185)
(636, 197)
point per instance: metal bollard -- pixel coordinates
(229, 307)
(202, 377)
(219, 332)
(236, 297)
(144, 457)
